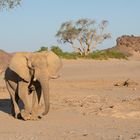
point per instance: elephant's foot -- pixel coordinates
(25, 115)
(16, 115)
(34, 117)
(13, 113)
(34, 114)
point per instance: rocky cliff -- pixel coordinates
(128, 44)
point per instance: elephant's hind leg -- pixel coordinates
(14, 108)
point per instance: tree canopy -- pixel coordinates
(83, 35)
(9, 4)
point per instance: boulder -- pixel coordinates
(127, 44)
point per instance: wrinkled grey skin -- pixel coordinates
(30, 73)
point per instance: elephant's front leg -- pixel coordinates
(23, 94)
(35, 105)
(36, 91)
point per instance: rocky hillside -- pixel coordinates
(127, 44)
(4, 60)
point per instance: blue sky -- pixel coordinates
(35, 23)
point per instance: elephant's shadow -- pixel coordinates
(5, 106)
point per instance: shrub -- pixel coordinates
(43, 49)
(98, 55)
(57, 50)
(68, 55)
(105, 54)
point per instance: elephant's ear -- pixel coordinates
(54, 64)
(19, 65)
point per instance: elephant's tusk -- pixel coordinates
(55, 76)
(52, 77)
(34, 79)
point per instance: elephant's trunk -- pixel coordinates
(45, 89)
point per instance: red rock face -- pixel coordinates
(128, 44)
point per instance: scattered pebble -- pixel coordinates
(85, 134)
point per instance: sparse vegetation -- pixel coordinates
(97, 55)
(57, 50)
(66, 55)
(106, 54)
(43, 49)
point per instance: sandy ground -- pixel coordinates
(85, 104)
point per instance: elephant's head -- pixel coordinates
(41, 65)
(47, 62)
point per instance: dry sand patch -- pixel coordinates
(85, 104)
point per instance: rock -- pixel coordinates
(127, 44)
(85, 134)
(120, 137)
(127, 83)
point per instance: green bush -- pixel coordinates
(68, 55)
(57, 50)
(105, 54)
(98, 55)
(43, 49)
(65, 55)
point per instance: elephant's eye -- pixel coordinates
(33, 66)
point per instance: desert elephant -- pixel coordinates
(27, 70)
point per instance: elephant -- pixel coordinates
(30, 72)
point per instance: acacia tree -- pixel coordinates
(9, 4)
(83, 35)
